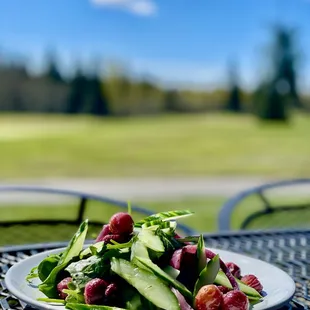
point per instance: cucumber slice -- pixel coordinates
(151, 241)
(146, 283)
(166, 277)
(139, 249)
(172, 272)
(221, 279)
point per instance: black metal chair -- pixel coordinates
(277, 205)
(36, 214)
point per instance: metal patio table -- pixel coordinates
(287, 249)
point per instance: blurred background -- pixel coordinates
(167, 103)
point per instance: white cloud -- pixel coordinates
(139, 7)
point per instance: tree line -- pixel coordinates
(118, 94)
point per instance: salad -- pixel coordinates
(143, 266)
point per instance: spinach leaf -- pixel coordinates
(47, 265)
(49, 285)
(74, 296)
(85, 270)
(32, 274)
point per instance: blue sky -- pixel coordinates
(176, 41)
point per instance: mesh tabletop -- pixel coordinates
(289, 250)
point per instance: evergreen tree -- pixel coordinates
(234, 96)
(78, 89)
(172, 101)
(96, 98)
(275, 96)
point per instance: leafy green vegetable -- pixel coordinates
(134, 303)
(138, 269)
(221, 279)
(139, 249)
(146, 283)
(172, 272)
(32, 274)
(86, 269)
(208, 274)
(92, 249)
(52, 300)
(117, 245)
(47, 265)
(165, 277)
(151, 241)
(49, 285)
(76, 244)
(74, 296)
(165, 216)
(75, 306)
(201, 256)
(170, 243)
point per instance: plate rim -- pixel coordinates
(49, 306)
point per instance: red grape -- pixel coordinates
(63, 285)
(121, 223)
(223, 289)
(209, 297)
(235, 300)
(111, 290)
(117, 238)
(95, 291)
(252, 281)
(104, 232)
(234, 269)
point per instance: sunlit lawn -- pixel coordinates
(205, 144)
(205, 218)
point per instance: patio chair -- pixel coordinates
(36, 215)
(277, 205)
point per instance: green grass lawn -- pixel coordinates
(204, 220)
(52, 146)
(205, 208)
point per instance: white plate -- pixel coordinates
(278, 285)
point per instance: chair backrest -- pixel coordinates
(277, 205)
(36, 214)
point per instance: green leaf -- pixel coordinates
(75, 296)
(221, 279)
(32, 274)
(172, 272)
(208, 274)
(117, 245)
(134, 302)
(75, 306)
(52, 300)
(93, 249)
(48, 286)
(170, 243)
(165, 277)
(139, 249)
(165, 216)
(47, 265)
(201, 256)
(76, 244)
